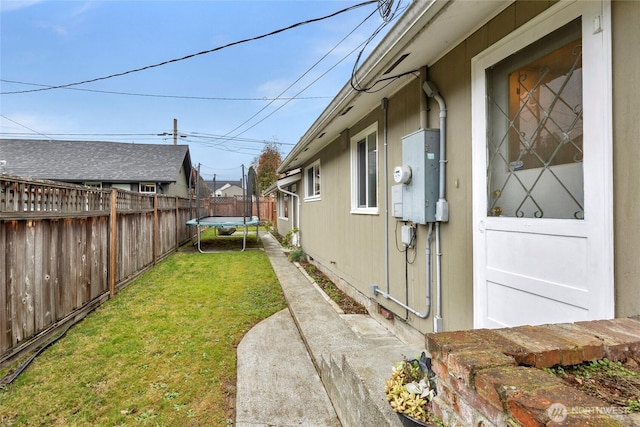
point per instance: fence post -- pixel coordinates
(155, 229)
(177, 225)
(112, 243)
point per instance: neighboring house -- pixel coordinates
(144, 168)
(225, 188)
(524, 211)
(287, 202)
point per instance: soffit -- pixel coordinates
(426, 31)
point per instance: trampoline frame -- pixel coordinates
(234, 221)
(215, 221)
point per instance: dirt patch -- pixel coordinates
(616, 383)
(344, 301)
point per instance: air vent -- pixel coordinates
(346, 110)
(395, 64)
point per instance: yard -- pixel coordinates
(161, 353)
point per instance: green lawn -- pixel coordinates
(162, 353)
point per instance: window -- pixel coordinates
(147, 188)
(364, 171)
(312, 176)
(283, 205)
(535, 137)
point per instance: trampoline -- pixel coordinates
(245, 221)
(225, 221)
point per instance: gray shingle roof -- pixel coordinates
(222, 183)
(79, 161)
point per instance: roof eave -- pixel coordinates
(419, 19)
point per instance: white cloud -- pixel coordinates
(7, 5)
(57, 29)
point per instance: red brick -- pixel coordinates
(440, 344)
(542, 350)
(445, 392)
(592, 347)
(620, 338)
(529, 408)
(495, 384)
(439, 368)
(464, 364)
(486, 409)
(592, 421)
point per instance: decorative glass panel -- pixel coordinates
(534, 140)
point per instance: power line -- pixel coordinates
(388, 13)
(151, 95)
(26, 127)
(136, 70)
(296, 81)
(376, 32)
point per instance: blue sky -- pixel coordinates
(61, 42)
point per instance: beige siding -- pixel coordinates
(179, 188)
(352, 246)
(626, 156)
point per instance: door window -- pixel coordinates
(534, 138)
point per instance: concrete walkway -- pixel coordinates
(352, 355)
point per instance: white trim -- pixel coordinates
(141, 184)
(312, 197)
(597, 95)
(355, 209)
(282, 200)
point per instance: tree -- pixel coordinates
(266, 165)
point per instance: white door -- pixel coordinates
(542, 170)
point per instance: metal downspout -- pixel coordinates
(442, 206)
(374, 288)
(385, 134)
(297, 224)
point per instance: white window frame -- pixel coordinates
(283, 200)
(147, 184)
(308, 195)
(355, 187)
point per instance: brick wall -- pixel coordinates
(492, 377)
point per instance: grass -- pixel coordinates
(162, 353)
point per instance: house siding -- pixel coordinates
(351, 247)
(357, 242)
(626, 156)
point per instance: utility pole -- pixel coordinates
(175, 131)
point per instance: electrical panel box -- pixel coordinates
(408, 235)
(421, 152)
(396, 201)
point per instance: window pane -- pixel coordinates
(316, 170)
(362, 174)
(534, 137)
(309, 182)
(372, 175)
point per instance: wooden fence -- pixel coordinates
(262, 207)
(65, 249)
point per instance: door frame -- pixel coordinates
(598, 163)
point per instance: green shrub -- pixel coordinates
(296, 255)
(286, 240)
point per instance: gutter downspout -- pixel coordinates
(297, 224)
(385, 109)
(374, 288)
(442, 206)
